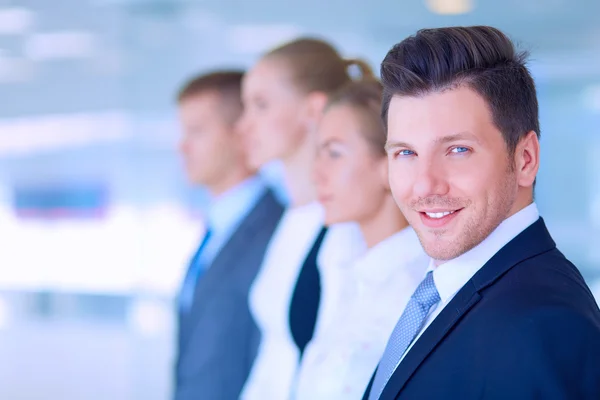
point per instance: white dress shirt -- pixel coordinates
(339, 362)
(342, 246)
(452, 275)
(274, 369)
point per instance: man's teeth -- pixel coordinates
(439, 214)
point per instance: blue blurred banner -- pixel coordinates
(61, 202)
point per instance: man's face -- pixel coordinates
(450, 170)
(209, 145)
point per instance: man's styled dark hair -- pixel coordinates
(479, 57)
(226, 83)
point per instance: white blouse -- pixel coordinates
(275, 367)
(340, 360)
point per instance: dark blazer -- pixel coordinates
(218, 339)
(525, 326)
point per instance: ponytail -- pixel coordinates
(366, 72)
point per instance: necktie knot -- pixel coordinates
(426, 293)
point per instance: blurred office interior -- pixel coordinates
(96, 219)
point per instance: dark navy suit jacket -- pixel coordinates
(525, 326)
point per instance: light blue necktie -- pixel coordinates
(188, 289)
(408, 326)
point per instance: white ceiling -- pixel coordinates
(104, 58)
(77, 55)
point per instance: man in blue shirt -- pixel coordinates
(218, 340)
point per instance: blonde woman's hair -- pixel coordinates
(315, 65)
(365, 98)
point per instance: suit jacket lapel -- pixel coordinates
(531, 242)
(216, 275)
(466, 298)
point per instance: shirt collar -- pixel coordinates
(454, 274)
(401, 250)
(228, 209)
(342, 245)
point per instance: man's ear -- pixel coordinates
(527, 159)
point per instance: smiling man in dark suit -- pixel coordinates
(218, 338)
(501, 313)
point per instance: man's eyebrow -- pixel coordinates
(457, 137)
(392, 144)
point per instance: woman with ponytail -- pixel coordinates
(352, 183)
(284, 95)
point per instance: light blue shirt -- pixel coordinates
(226, 212)
(274, 176)
(224, 215)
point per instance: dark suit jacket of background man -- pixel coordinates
(218, 339)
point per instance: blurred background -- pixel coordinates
(96, 219)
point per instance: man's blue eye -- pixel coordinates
(460, 150)
(405, 153)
